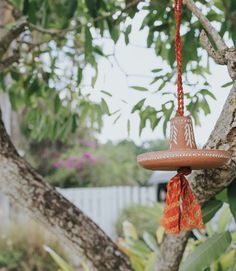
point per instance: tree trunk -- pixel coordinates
(22, 184)
(206, 183)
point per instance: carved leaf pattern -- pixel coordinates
(173, 135)
(188, 135)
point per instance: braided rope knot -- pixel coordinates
(184, 171)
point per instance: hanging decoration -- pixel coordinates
(182, 211)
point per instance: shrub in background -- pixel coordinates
(21, 248)
(145, 218)
(99, 165)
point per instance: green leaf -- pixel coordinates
(210, 208)
(151, 262)
(91, 5)
(79, 75)
(138, 105)
(150, 241)
(156, 70)
(72, 8)
(127, 32)
(94, 78)
(116, 119)
(154, 120)
(115, 32)
(162, 85)
(207, 252)
(227, 84)
(231, 192)
(143, 119)
(64, 266)
(223, 196)
(206, 92)
(105, 107)
(57, 103)
(106, 93)
(88, 45)
(205, 106)
(128, 127)
(224, 219)
(139, 88)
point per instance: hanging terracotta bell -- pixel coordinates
(183, 151)
(182, 211)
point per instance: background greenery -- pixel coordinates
(22, 248)
(86, 162)
(56, 101)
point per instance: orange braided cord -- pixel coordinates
(178, 51)
(182, 211)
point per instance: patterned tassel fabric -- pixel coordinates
(182, 211)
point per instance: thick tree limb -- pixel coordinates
(206, 183)
(22, 184)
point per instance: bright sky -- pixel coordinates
(135, 59)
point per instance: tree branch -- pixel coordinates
(11, 35)
(7, 62)
(218, 57)
(22, 184)
(206, 24)
(224, 55)
(206, 183)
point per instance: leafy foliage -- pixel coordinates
(142, 252)
(146, 218)
(212, 249)
(207, 252)
(50, 82)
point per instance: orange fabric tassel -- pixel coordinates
(182, 211)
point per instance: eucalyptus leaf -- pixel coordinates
(227, 84)
(105, 107)
(207, 252)
(138, 106)
(139, 88)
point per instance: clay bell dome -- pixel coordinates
(183, 151)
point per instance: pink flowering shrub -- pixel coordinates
(76, 162)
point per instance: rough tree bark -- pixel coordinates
(22, 184)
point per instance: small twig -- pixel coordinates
(218, 57)
(12, 34)
(219, 42)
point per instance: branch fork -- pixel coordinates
(223, 55)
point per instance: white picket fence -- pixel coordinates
(104, 205)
